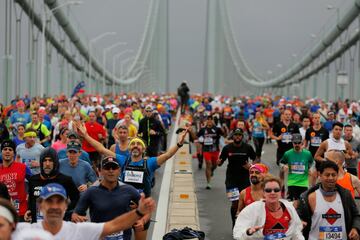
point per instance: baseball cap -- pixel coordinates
(52, 189)
(296, 138)
(148, 108)
(109, 161)
(73, 134)
(238, 131)
(116, 110)
(73, 145)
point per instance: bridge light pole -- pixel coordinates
(43, 44)
(105, 51)
(115, 58)
(92, 41)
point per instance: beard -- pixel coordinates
(135, 152)
(47, 170)
(254, 180)
(237, 141)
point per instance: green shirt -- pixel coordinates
(299, 164)
(137, 115)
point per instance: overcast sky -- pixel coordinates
(268, 32)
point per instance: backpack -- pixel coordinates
(185, 233)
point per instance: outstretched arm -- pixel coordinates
(97, 145)
(126, 220)
(163, 157)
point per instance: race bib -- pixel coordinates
(208, 141)
(115, 236)
(275, 236)
(315, 141)
(258, 130)
(297, 168)
(134, 176)
(233, 194)
(286, 138)
(331, 232)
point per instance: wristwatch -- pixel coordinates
(179, 145)
(137, 211)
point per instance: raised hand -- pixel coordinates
(146, 205)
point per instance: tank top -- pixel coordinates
(346, 183)
(275, 228)
(335, 144)
(248, 198)
(328, 220)
(120, 152)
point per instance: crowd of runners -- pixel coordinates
(83, 167)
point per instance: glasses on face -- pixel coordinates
(269, 190)
(148, 111)
(111, 167)
(237, 135)
(296, 143)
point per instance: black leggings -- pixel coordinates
(258, 143)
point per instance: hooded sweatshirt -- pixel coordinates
(37, 181)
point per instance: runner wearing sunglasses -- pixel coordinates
(272, 218)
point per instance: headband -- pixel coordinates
(137, 140)
(30, 134)
(5, 213)
(260, 167)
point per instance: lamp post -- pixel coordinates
(115, 58)
(92, 41)
(105, 51)
(43, 44)
(331, 7)
(342, 80)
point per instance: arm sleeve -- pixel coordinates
(245, 220)
(224, 153)
(4, 193)
(83, 203)
(91, 176)
(307, 135)
(73, 193)
(284, 159)
(32, 201)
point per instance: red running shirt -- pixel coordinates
(248, 198)
(276, 225)
(14, 179)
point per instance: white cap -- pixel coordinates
(116, 110)
(94, 99)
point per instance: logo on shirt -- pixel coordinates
(312, 134)
(283, 130)
(331, 216)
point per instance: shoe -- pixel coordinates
(208, 186)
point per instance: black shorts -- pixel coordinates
(294, 192)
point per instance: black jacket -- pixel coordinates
(152, 141)
(36, 182)
(352, 217)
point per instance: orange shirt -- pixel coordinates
(346, 183)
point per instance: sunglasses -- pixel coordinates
(269, 190)
(113, 167)
(297, 143)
